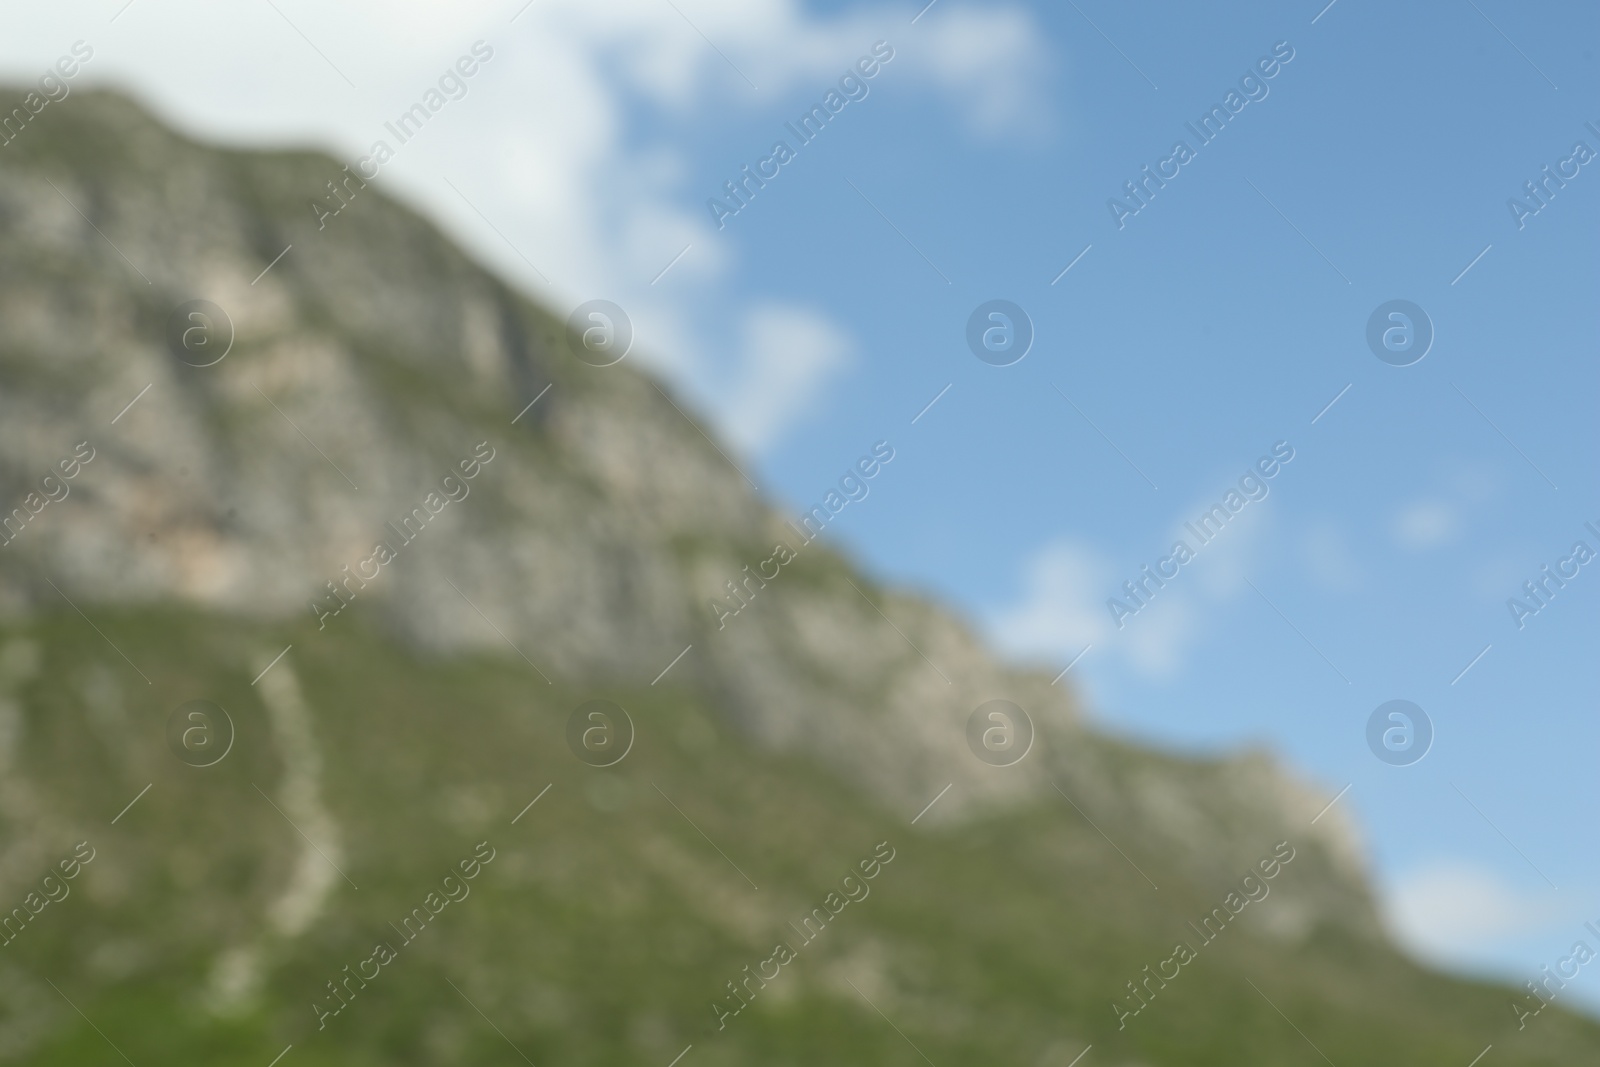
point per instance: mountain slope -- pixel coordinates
(368, 363)
(616, 909)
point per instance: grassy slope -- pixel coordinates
(607, 924)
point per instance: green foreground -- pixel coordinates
(608, 924)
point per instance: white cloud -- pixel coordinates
(989, 62)
(1425, 524)
(1156, 643)
(1066, 588)
(1457, 915)
(1451, 912)
(1062, 606)
(547, 143)
(1062, 611)
(789, 354)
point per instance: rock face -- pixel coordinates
(375, 377)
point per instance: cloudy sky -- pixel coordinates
(1179, 336)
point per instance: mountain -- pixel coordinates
(399, 535)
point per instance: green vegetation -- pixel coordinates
(607, 924)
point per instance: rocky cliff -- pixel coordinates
(359, 438)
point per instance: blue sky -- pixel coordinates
(1221, 319)
(1209, 328)
(1205, 330)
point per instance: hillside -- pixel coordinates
(791, 742)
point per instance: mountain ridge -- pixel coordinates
(302, 388)
(228, 505)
